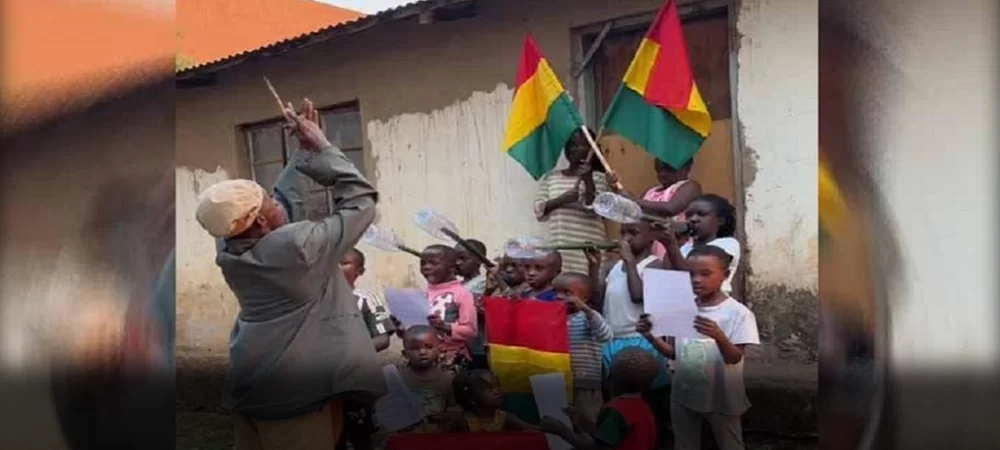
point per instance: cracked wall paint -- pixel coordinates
(449, 160)
(778, 106)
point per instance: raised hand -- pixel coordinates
(306, 127)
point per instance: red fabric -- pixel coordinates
(530, 58)
(527, 323)
(670, 78)
(642, 424)
(520, 440)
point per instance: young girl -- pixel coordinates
(708, 380)
(713, 222)
(453, 309)
(477, 391)
(560, 199)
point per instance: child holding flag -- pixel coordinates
(560, 203)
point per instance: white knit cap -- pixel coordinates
(230, 207)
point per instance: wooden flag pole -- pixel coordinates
(596, 151)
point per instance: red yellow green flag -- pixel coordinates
(542, 117)
(526, 337)
(658, 106)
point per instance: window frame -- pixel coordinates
(288, 148)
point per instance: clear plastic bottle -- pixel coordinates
(530, 247)
(381, 238)
(616, 208)
(433, 223)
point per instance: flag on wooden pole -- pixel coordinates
(542, 117)
(658, 106)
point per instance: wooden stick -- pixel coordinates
(277, 98)
(596, 151)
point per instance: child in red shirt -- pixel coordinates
(625, 422)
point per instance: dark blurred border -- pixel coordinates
(90, 169)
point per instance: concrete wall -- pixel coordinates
(434, 100)
(777, 104)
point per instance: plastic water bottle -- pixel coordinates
(433, 223)
(381, 238)
(616, 208)
(525, 247)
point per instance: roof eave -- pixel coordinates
(321, 35)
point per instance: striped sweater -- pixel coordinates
(587, 336)
(567, 225)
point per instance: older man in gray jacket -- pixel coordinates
(299, 346)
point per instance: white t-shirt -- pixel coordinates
(731, 246)
(620, 312)
(702, 381)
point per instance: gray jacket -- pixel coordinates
(299, 339)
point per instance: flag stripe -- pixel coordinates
(532, 102)
(539, 151)
(530, 58)
(514, 366)
(527, 323)
(653, 128)
(637, 76)
(671, 74)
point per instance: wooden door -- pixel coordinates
(708, 48)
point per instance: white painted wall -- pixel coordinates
(449, 160)
(777, 104)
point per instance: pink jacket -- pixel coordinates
(456, 306)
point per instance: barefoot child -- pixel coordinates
(423, 374)
(358, 423)
(477, 391)
(587, 334)
(625, 422)
(453, 309)
(539, 273)
(712, 391)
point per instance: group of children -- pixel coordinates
(629, 386)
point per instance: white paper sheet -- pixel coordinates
(550, 397)
(398, 408)
(669, 300)
(409, 306)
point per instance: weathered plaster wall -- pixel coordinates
(205, 305)
(777, 108)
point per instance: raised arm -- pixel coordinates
(354, 196)
(676, 205)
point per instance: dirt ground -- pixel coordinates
(203, 425)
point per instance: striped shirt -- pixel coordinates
(587, 336)
(569, 226)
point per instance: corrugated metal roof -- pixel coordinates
(328, 32)
(214, 30)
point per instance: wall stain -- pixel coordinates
(787, 320)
